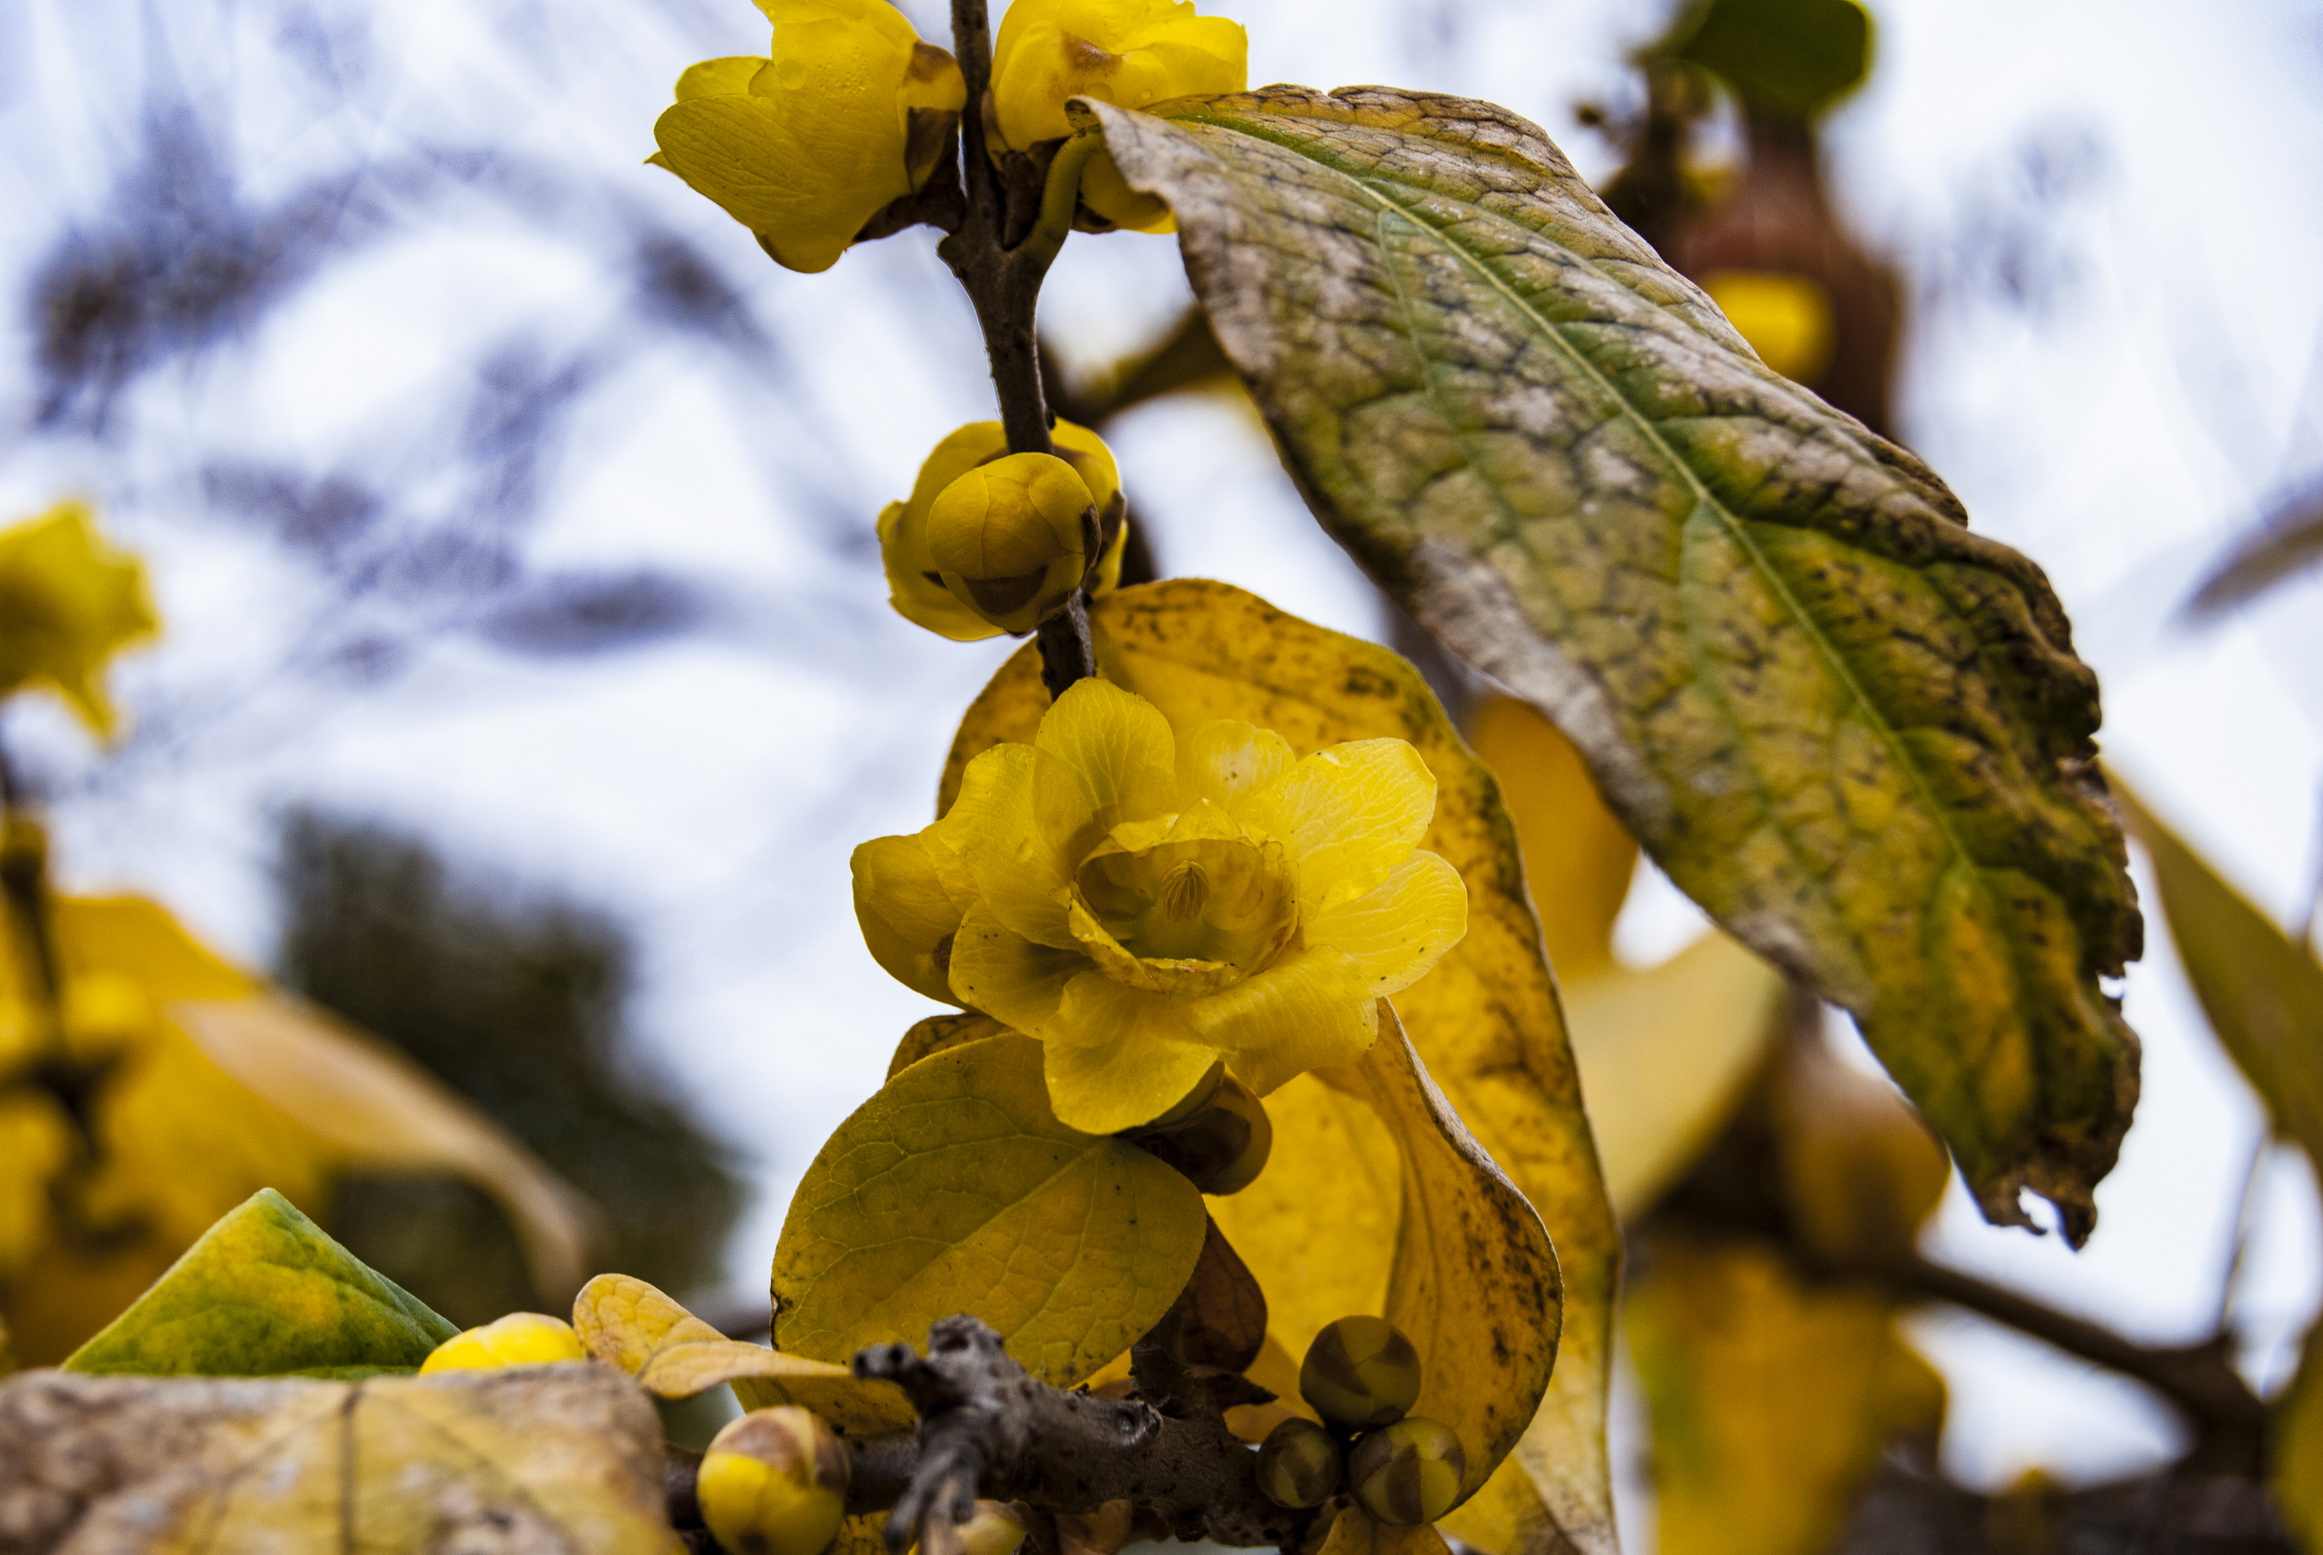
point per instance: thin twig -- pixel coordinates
(2252, 1173)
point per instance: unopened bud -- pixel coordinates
(1298, 1464)
(1013, 538)
(519, 1339)
(1360, 1372)
(774, 1483)
(1222, 1145)
(1408, 1473)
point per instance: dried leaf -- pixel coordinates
(955, 1189)
(1226, 1310)
(551, 1460)
(625, 1322)
(1852, 730)
(1355, 1532)
(1474, 1283)
(2286, 544)
(1485, 1021)
(1770, 1399)
(263, 1293)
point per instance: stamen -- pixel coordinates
(1184, 892)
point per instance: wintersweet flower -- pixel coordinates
(1131, 53)
(928, 594)
(68, 603)
(847, 112)
(1147, 903)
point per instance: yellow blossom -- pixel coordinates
(847, 112)
(1147, 902)
(1131, 53)
(519, 1339)
(916, 581)
(68, 603)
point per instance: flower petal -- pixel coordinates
(1117, 1057)
(914, 589)
(1226, 761)
(1121, 746)
(1018, 812)
(727, 77)
(906, 913)
(1348, 815)
(1311, 1009)
(1400, 928)
(1008, 977)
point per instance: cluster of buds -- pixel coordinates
(849, 111)
(1362, 1376)
(992, 541)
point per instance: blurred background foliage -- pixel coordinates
(435, 411)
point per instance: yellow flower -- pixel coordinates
(848, 112)
(1147, 902)
(519, 1339)
(68, 603)
(916, 581)
(1131, 53)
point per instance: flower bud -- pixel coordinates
(916, 583)
(1360, 1372)
(1408, 1473)
(1298, 1464)
(1012, 539)
(774, 1483)
(519, 1339)
(1223, 1145)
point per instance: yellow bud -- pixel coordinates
(1786, 318)
(1360, 1372)
(917, 582)
(1012, 539)
(1298, 1464)
(1408, 1473)
(68, 603)
(846, 113)
(1131, 53)
(774, 1483)
(519, 1339)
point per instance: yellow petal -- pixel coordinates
(1348, 814)
(728, 77)
(68, 603)
(1121, 747)
(915, 588)
(1010, 978)
(1128, 52)
(1227, 760)
(1019, 818)
(1106, 192)
(1400, 928)
(1117, 1057)
(1309, 1010)
(908, 917)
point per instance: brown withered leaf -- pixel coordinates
(546, 1460)
(1851, 729)
(625, 1322)
(1226, 1311)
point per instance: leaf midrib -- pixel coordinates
(1733, 524)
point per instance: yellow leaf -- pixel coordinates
(1356, 1532)
(955, 1189)
(567, 1458)
(1770, 1399)
(1665, 1054)
(1861, 1171)
(211, 1088)
(939, 1032)
(68, 603)
(625, 1322)
(1485, 1021)
(2296, 1469)
(1474, 1283)
(1578, 858)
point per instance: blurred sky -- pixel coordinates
(2105, 208)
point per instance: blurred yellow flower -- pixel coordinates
(1146, 902)
(68, 603)
(848, 112)
(1131, 53)
(916, 581)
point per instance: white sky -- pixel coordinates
(2164, 384)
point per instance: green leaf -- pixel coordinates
(955, 1189)
(564, 1458)
(266, 1292)
(1485, 1021)
(1853, 731)
(2262, 991)
(1795, 56)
